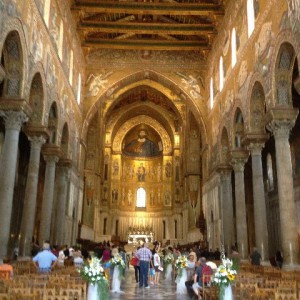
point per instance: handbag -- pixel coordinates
(160, 268)
(134, 261)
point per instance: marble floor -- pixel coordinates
(165, 291)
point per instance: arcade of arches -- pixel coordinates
(181, 128)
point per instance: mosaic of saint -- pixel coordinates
(142, 145)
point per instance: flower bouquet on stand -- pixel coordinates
(181, 264)
(168, 261)
(224, 277)
(119, 266)
(93, 274)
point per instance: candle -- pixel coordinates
(291, 253)
(243, 250)
(262, 252)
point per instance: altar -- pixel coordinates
(140, 235)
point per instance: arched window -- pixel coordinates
(270, 173)
(141, 198)
(79, 89)
(117, 227)
(175, 229)
(211, 90)
(61, 38)
(47, 12)
(250, 17)
(164, 229)
(233, 48)
(71, 68)
(104, 226)
(221, 73)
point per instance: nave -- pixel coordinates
(166, 290)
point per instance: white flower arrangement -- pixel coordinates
(94, 274)
(224, 275)
(117, 260)
(168, 259)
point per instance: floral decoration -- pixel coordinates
(118, 262)
(181, 263)
(94, 274)
(224, 275)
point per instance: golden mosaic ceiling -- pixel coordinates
(148, 25)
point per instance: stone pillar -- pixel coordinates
(13, 122)
(46, 213)
(238, 164)
(288, 220)
(260, 212)
(28, 216)
(227, 209)
(62, 189)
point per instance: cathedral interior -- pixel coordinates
(175, 121)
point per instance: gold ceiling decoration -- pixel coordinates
(148, 25)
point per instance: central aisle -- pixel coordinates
(165, 291)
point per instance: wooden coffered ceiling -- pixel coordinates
(148, 25)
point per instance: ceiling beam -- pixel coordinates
(146, 28)
(146, 44)
(149, 8)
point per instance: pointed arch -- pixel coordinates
(53, 123)
(238, 128)
(64, 145)
(225, 145)
(13, 65)
(257, 108)
(283, 74)
(150, 78)
(36, 100)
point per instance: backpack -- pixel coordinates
(206, 270)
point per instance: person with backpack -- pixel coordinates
(201, 270)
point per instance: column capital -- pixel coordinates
(239, 158)
(224, 170)
(37, 141)
(65, 163)
(255, 142)
(37, 131)
(255, 148)
(64, 166)
(14, 119)
(51, 150)
(280, 121)
(15, 104)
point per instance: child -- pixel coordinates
(157, 266)
(152, 273)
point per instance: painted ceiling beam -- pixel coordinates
(147, 28)
(146, 44)
(148, 8)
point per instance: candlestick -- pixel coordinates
(243, 250)
(291, 253)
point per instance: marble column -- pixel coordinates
(62, 188)
(13, 122)
(288, 218)
(227, 210)
(28, 216)
(260, 212)
(47, 204)
(240, 204)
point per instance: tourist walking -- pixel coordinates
(144, 255)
